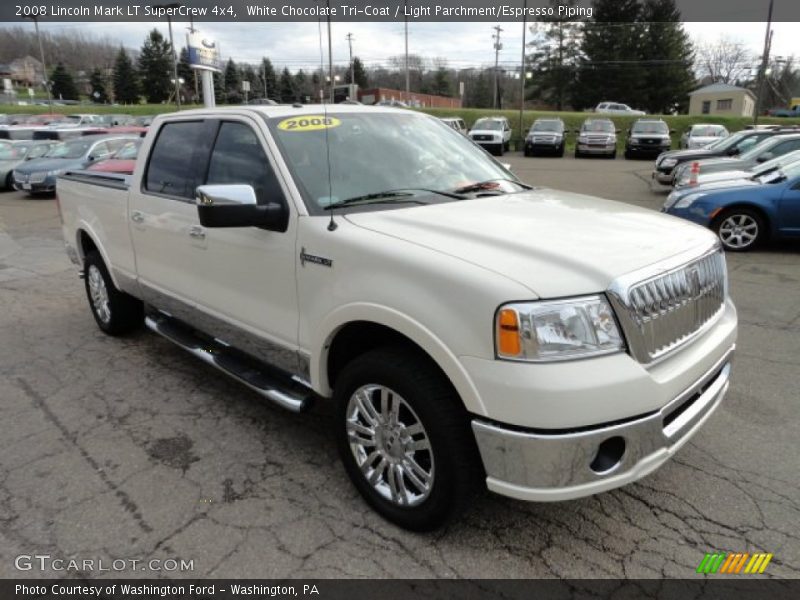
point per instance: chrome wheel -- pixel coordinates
(738, 231)
(99, 294)
(390, 445)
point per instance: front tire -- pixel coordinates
(500, 149)
(740, 229)
(404, 438)
(115, 312)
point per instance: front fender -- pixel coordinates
(401, 323)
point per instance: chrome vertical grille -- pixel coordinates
(662, 312)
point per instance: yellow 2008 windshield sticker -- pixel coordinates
(309, 123)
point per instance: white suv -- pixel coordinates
(615, 108)
(493, 133)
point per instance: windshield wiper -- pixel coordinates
(490, 185)
(390, 196)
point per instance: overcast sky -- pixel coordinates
(296, 45)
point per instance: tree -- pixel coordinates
(98, 84)
(187, 73)
(287, 90)
(554, 59)
(155, 68)
(126, 80)
(302, 86)
(479, 91)
(441, 82)
(724, 61)
(359, 74)
(609, 68)
(220, 95)
(270, 78)
(667, 56)
(232, 82)
(62, 85)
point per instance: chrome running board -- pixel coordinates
(263, 379)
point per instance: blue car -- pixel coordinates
(748, 213)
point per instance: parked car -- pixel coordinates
(13, 154)
(456, 123)
(493, 133)
(81, 120)
(546, 136)
(615, 108)
(745, 216)
(115, 120)
(122, 161)
(764, 151)
(469, 330)
(701, 135)
(648, 138)
(597, 136)
(735, 144)
(688, 178)
(38, 176)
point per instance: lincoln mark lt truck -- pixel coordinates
(470, 329)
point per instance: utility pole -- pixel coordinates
(408, 80)
(764, 62)
(264, 68)
(330, 54)
(349, 39)
(41, 55)
(497, 47)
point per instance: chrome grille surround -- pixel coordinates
(661, 308)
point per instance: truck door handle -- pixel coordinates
(197, 232)
(137, 216)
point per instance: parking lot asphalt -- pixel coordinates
(131, 449)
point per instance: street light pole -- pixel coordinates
(172, 49)
(349, 39)
(408, 79)
(522, 72)
(764, 62)
(41, 55)
(497, 47)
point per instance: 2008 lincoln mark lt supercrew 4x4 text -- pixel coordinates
(468, 327)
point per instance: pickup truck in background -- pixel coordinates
(470, 329)
(794, 111)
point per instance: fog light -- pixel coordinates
(609, 455)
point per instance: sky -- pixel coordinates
(462, 45)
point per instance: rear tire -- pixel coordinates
(10, 181)
(404, 438)
(740, 229)
(115, 312)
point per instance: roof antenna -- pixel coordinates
(332, 223)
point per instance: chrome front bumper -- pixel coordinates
(550, 467)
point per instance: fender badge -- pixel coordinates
(317, 260)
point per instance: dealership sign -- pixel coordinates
(203, 53)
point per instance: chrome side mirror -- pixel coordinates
(212, 195)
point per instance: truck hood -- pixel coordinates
(554, 243)
(682, 155)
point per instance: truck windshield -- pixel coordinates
(346, 155)
(547, 126)
(598, 126)
(488, 125)
(650, 127)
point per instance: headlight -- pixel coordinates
(635, 140)
(669, 162)
(687, 201)
(54, 173)
(583, 138)
(557, 330)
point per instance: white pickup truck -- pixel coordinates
(470, 329)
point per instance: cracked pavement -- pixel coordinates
(130, 448)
